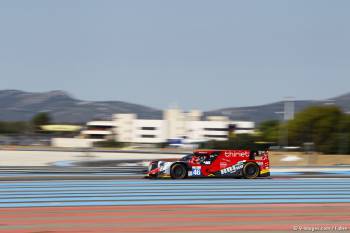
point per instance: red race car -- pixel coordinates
(214, 163)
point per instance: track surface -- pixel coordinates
(71, 173)
(193, 205)
(136, 170)
(177, 218)
(175, 192)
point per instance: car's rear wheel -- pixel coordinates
(178, 171)
(251, 170)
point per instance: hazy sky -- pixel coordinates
(193, 53)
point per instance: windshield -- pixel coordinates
(187, 157)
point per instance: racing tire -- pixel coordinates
(178, 171)
(251, 170)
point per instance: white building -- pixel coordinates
(99, 129)
(175, 124)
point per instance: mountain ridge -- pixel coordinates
(17, 105)
(272, 111)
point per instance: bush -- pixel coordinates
(109, 143)
(40, 119)
(15, 127)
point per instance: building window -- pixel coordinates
(215, 136)
(148, 128)
(148, 136)
(216, 129)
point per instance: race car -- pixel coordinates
(214, 163)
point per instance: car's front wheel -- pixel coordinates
(178, 171)
(251, 170)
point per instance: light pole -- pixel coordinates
(288, 114)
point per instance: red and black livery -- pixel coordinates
(248, 164)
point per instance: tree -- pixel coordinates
(240, 141)
(343, 135)
(269, 130)
(16, 127)
(40, 119)
(319, 125)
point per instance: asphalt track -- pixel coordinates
(136, 170)
(132, 171)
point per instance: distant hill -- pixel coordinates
(273, 111)
(21, 106)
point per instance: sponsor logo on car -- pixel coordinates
(231, 169)
(243, 154)
(196, 171)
